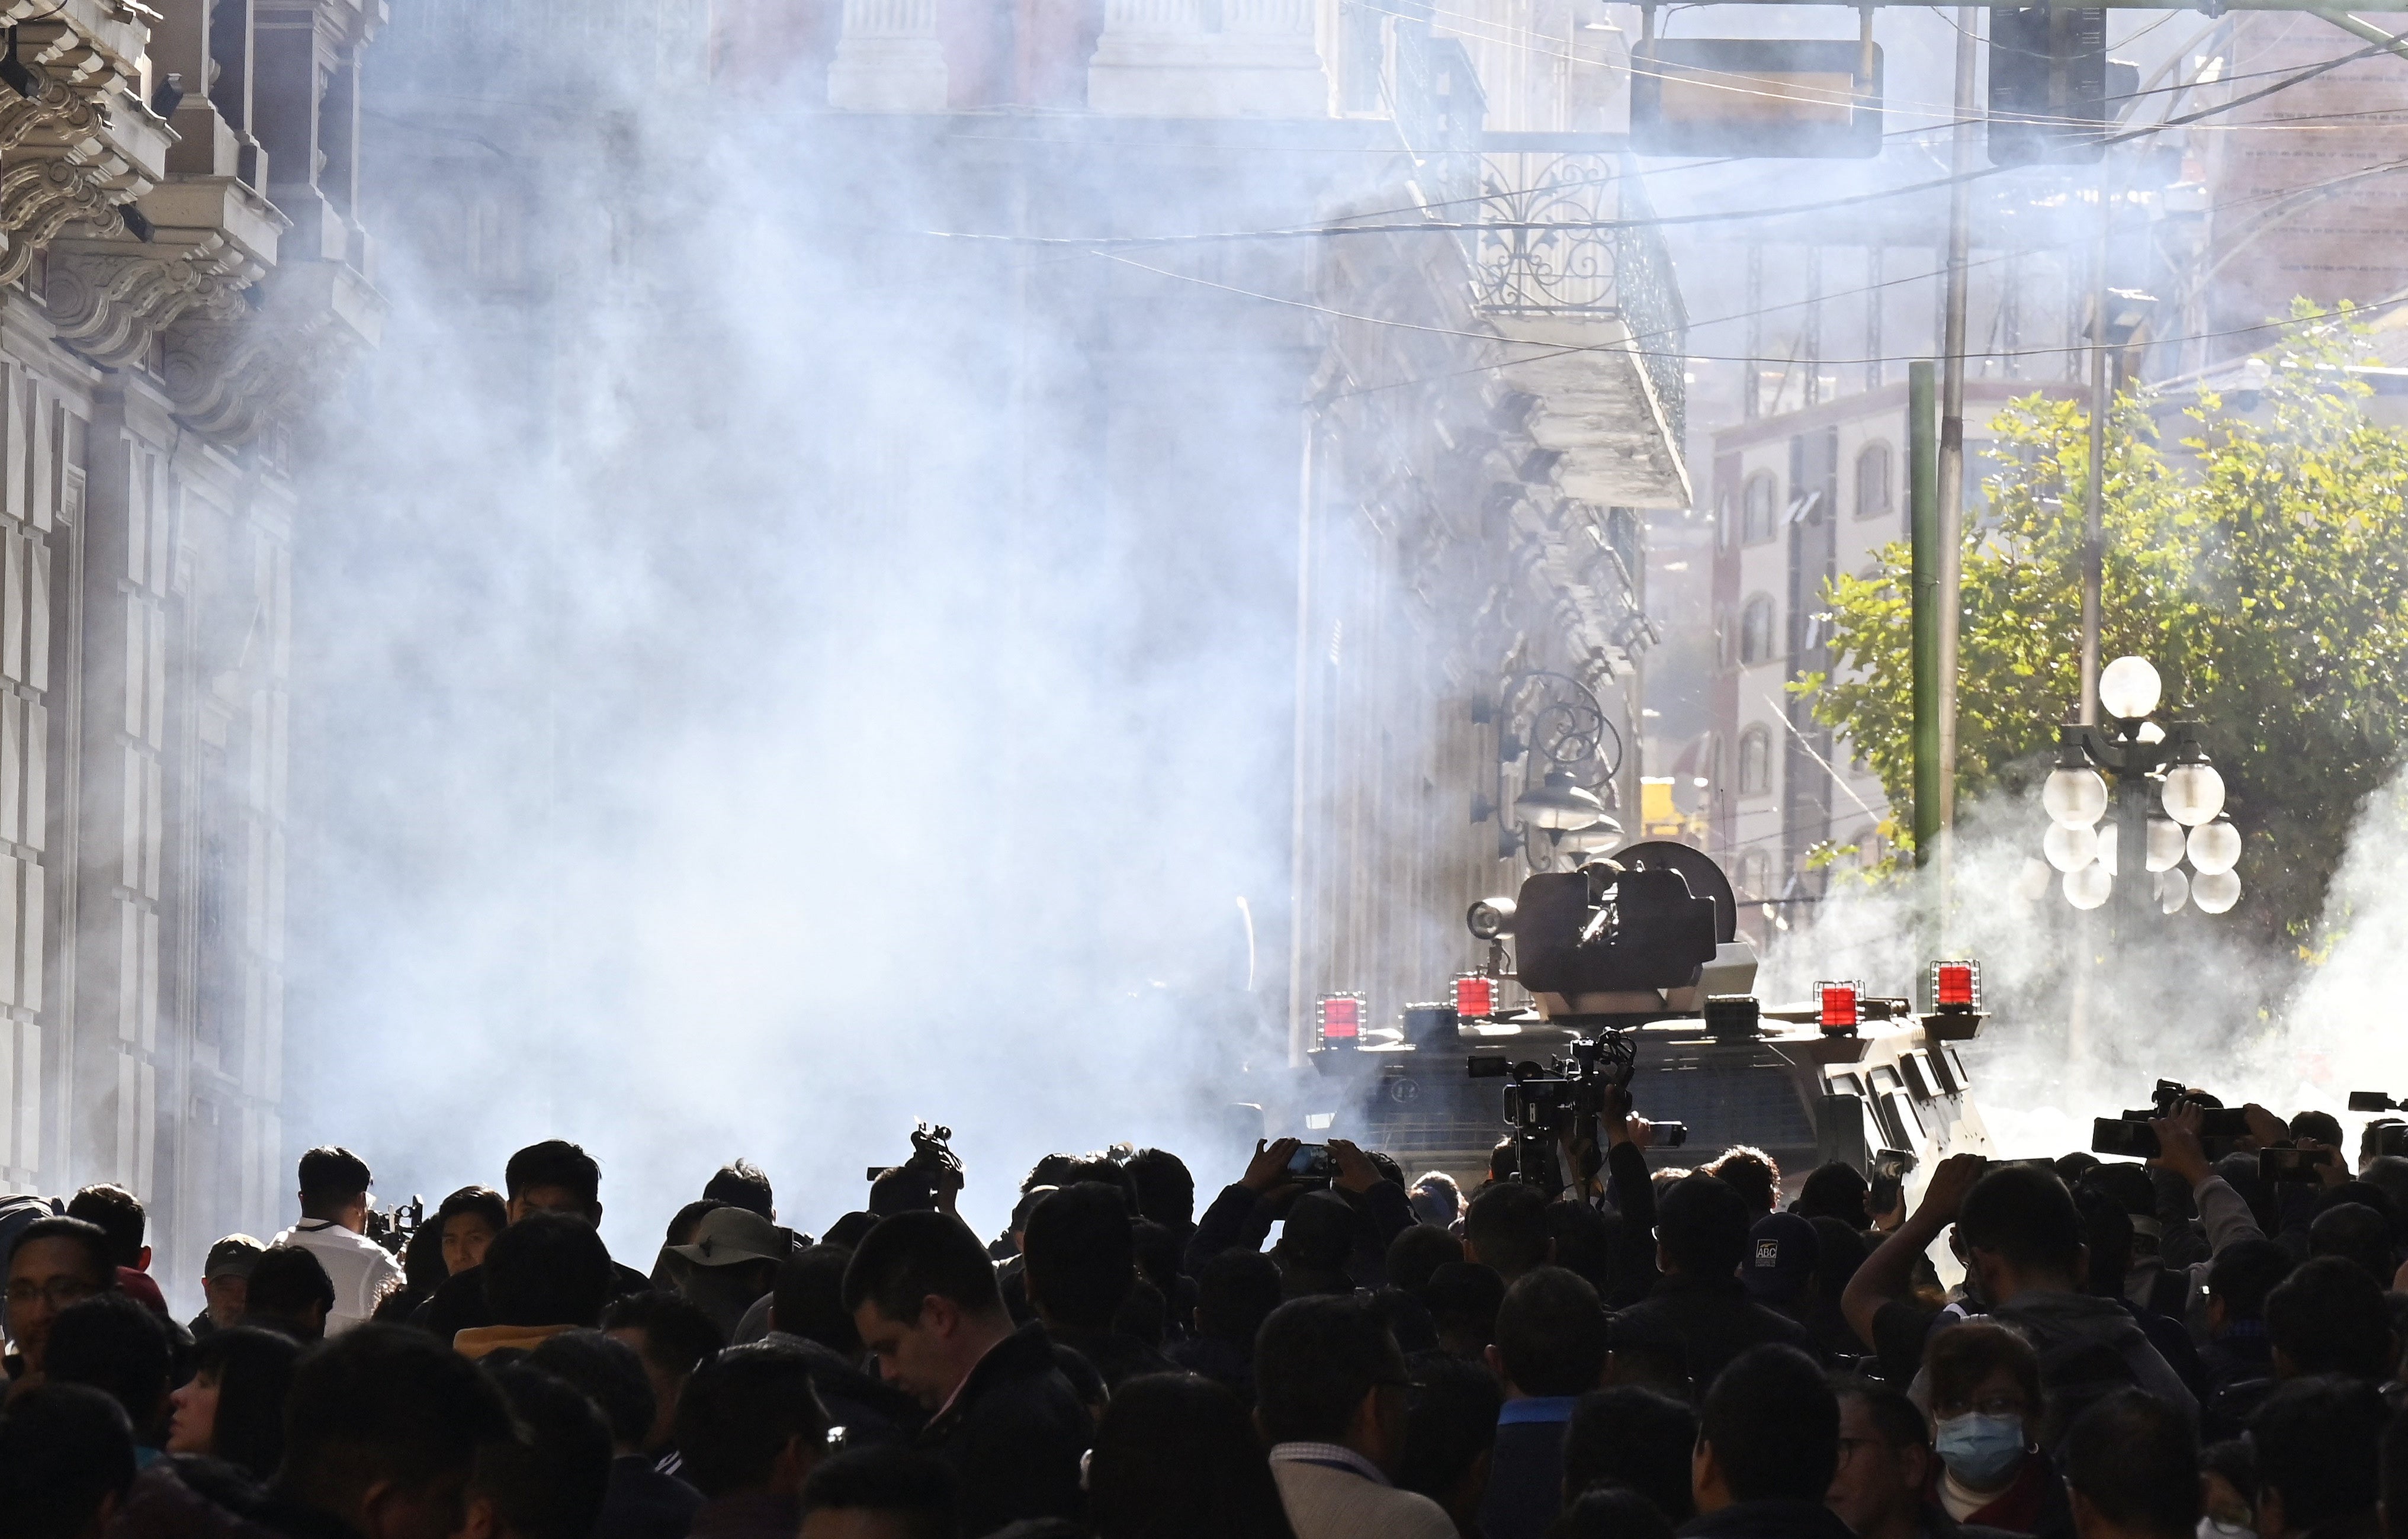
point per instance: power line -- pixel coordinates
(1559, 349)
(1701, 217)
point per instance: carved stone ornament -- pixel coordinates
(107, 300)
(234, 375)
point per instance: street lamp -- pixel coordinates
(2138, 750)
(1556, 723)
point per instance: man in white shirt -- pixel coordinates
(333, 1228)
(1331, 1396)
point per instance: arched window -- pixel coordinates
(1760, 507)
(1756, 631)
(1755, 762)
(1875, 498)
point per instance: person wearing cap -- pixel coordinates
(1701, 1246)
(1782, 1251)
(731, 1264)
(334, 1228)
(226, 1283)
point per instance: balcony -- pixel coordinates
(1565, 258)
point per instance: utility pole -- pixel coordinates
(2094, 496)
(1923, 602)
(1952, 438)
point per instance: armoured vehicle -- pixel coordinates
(1632, 967)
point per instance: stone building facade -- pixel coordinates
(184, 274)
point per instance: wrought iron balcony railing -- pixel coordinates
(1567, 234)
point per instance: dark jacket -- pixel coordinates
(1715, 1320)
(754, 1515)
(459, 1304)
(1780, 1518)
(1526, 1470)
(1013, 1434)
(2242, 1352)
(640, 1503)
(181, 1496)
(1117, 1357)
(869, 1409)
(1631, 1188)
(1238, 1218)
(1222, 1362)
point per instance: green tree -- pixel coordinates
(2262, 564)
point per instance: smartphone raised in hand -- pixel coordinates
(1311, 1166)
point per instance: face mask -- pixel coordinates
(1981, 1451)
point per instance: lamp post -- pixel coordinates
(2089, 848)
(1572, 751)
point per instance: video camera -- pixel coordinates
(2386, 1134)
(932, 1158)
(2130, 1137)
(1565, 1097)
(394, 1228)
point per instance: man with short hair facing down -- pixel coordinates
(922, 1292)
(1768, 1446)
(334, 1228)
(881, 1493)
(1332, 1397)
(1550, 1350)
(2132, 1470)
(752, 1430)
(2318, 1443)
(384, 1426)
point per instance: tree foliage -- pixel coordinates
(2261, 563)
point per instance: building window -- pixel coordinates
(1755, 762)
(1975, 499)
(1759, 504)
(1755, 873)
(1755, 632)
(1874, 495)
(1722, 530)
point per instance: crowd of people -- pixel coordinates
(2168, 1350)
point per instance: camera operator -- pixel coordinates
(334, 1228)
(2223, 1213)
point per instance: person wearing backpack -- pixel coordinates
(2024, 1259)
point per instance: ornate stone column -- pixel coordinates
(1210, 59)
(888, 59)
